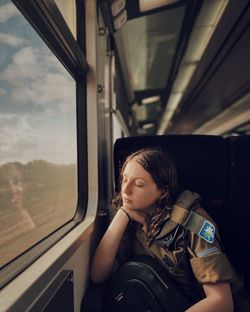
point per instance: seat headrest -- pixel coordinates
(201, 162)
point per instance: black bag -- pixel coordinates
(141, 285)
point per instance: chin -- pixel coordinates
(129, 205)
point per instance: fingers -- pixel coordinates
(145, 227)
(139, 217)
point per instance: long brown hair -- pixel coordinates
(162, 170)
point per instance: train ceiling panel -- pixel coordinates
(181, 62)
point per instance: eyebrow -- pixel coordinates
(136, 178)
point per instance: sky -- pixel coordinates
(37, 96)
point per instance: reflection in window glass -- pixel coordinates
(38, 173)
(149, 44)
(68, 11)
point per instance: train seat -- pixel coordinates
(201, 161)
(217, 169)
(239, 183)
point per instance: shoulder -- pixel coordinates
(187, 199)
(201, 211)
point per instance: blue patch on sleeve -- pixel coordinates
(207, 232)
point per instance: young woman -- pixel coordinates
(150, 199)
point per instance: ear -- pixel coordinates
(163, 194)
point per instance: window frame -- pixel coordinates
(49, 23)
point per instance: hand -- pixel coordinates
(138, 216)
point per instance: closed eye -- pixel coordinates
(139, 186)
(139, 183)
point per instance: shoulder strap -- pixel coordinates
(194, 222)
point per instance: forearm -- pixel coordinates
(218, 298)
(105, 254)
(210, 305)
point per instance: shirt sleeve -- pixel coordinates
(208, 262)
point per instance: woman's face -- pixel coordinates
(138, 189)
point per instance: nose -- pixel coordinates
(126, 188)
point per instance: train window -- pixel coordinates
(68, 10)
(38, 153)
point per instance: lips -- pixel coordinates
(126, 201)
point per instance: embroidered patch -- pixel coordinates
(207, 232)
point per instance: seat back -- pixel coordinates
(201, 162)
(239, 195)
(217, 169)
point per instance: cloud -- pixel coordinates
(7, 11)
(38, 84)
(16, 136)
(40, 118)
(6, 118)
(24, 65)
(25, 138)
(10, 40)
(16, 127)
(2, 91)
(54, 87)
(54, 92)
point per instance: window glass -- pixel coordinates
(38, 153)
(148, 45)
(68, 11)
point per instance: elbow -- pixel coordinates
(228, 308)
(97, 277)
(94, 277)
(100, 273)
(219, 296)
(231, 307)
(226, 305)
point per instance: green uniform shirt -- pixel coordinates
(208, 262)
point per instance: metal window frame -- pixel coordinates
(47, 20)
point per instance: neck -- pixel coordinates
(151, 210)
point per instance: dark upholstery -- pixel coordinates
(240, 201)
(216, 168)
